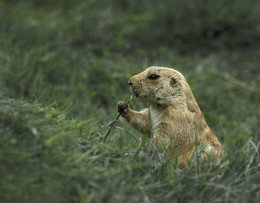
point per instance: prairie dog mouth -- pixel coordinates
(135, 93)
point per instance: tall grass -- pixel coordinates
(45, 157)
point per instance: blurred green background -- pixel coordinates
(64, 65)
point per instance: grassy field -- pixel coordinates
(64, 65)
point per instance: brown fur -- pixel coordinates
(175, 115)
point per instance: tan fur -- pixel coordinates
(175, 115)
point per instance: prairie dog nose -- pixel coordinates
(130, 82)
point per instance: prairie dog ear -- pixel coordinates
(173, 82)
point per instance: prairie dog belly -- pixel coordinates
(156, 117)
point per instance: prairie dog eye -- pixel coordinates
(153, 77)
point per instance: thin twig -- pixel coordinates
(110, 125)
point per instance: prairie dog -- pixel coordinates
(176, 119)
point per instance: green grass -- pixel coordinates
(65, 65)
(47, 158)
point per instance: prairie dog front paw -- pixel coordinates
(123, 108)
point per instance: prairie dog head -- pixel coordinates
(160, 86)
